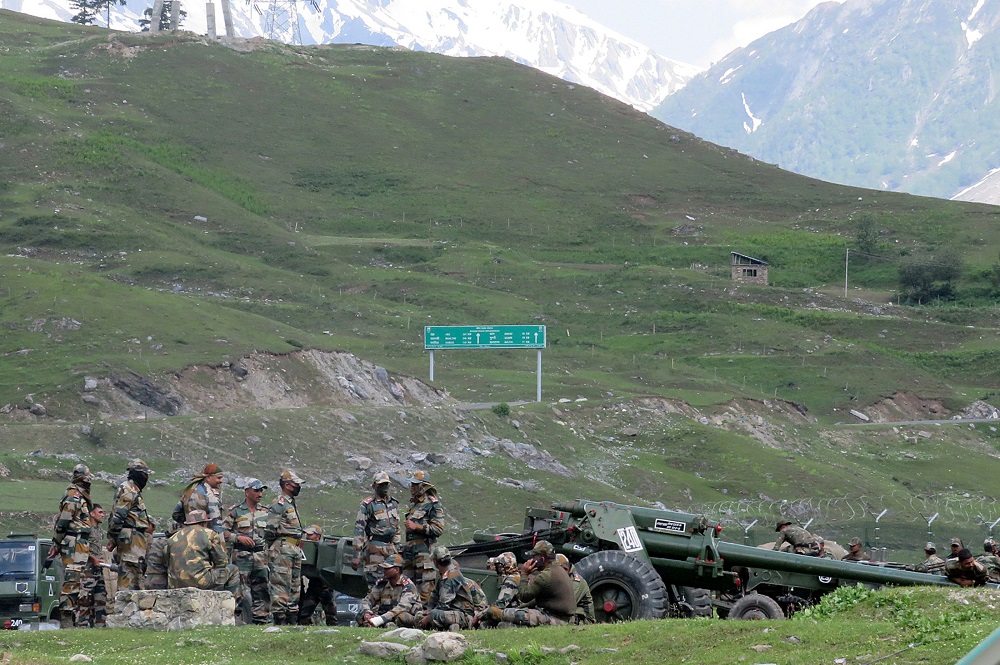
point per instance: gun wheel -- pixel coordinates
(689, 602)
(754, 606)
(624, 587)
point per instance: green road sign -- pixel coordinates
(484, 337)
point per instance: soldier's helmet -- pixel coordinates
(82, 474)
(392, 561)
(562, 560)
(196, 517)
(419, 477)
(138, 465)
(380, 478)
(989, 545)
(440, 554)
(313, 530)
(505, 562)
(288, 476)
(781, 524)
(543, 548)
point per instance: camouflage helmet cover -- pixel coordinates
(441, 554)
(505, 561)
(380, 478)
(313, 529)
(289, 476)
(82, 474)
(138, 465)
(562, 560)
(392, 561)
(196, 517)
(543, 548)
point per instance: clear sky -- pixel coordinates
(698, 32)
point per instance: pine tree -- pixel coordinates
(86, 11)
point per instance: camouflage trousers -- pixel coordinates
(227, 578)
(521, 616)
(284, 582)
(255, 574)
(373, 556)
(316, 596)
(69, 594)
(130, 570)
(420, 568)
(93, 600)
(155, 576)
(444, 619)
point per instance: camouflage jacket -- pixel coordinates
(932, 564)
(978, 573)
(377, 523)
(390, 600)
(428, 513)
(203, 497)
(73, 521)
(992, 563)
(796, 536)
(129, 522)
(507, 596)
(454, 591)
(191, 554)
(241, 522)
(282, 520)
(97, 549)
(584, 600)
(550, 590)
(860, 556)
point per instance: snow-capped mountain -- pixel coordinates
(544, 34)
(888, 94)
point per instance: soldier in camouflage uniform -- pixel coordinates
(203, 493)
(393, 599)
(196, 557)
(965, 570)
(990, 559)
(505, 566)
(155, 576)
(71, 542)
(581, 592)
(283, 535)
(315, 593)
(546, 597)
(456, 600)
(424, 525)
(93, 600)
(130, 527)
(932, 563)
(376, 531)
(802, 541)
(244, 533)
(854, 552)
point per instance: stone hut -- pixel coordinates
(748, 269)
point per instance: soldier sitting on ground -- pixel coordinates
(545, 594)
(932, 563)
(802, 541)
(965, 570)
(196, 557)
(455, 600)
(581, 591)
(854, 552)
(393, 600)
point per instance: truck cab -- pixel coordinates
(29, 586)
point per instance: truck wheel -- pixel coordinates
(689, 603)
(755, 606)
(624, 587)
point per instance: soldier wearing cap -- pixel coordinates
(581, 591)
(546, 594)
(93, 599)
(376, 530)
(244, 534)
(956, 545)
(424, 525)
(854, 552)
(71, 542)
(314, 592)
(456, 600)
(802, 541)
(196, 557)
(932, 563)
(203, 493)
(392, 600)
(283, 535)
(965, 571)
(130, 527)
(990, 559)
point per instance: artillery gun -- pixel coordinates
(643, 563)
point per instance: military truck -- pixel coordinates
(643, 563)
(29, 584)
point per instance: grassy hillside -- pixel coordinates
(166, 201)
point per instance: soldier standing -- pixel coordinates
(393, 599)
(203, 493)
(424, 525)
(314, 592)
(283, 535)
(93, 588)
(130, 527)
(456, 600)
(802, 541)
(244, 532)
(196, 557)
(376, 531)
(71, 542)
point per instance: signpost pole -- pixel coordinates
(538, 392)
(432, 364)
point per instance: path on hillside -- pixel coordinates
(923, 422)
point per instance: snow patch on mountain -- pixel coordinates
(545, 34)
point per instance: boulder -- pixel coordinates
(387, 650)
(444, 647)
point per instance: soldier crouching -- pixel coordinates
(393, 600)
(456, 600)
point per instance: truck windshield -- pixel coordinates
(17, 560)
